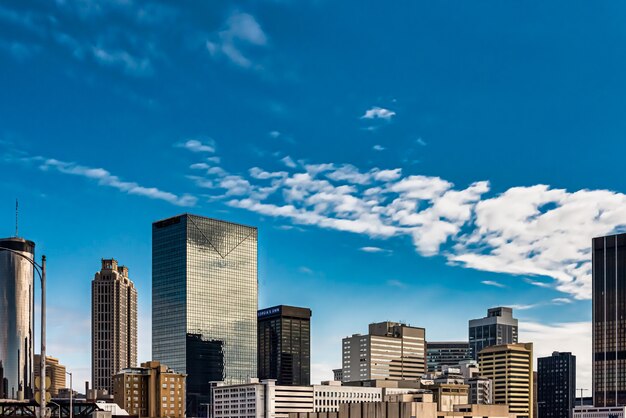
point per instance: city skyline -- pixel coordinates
(420, 165)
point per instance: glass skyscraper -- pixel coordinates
(609, 320)
(498, 327)
(204, 302)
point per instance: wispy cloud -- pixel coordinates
(378, 113)
(195, 145)
(378, 148)
(561, 301)
(132, 65)
(493, 283)
(374, 250)
(241, 31)
(396, 283)
(524, 231)
(305, 270)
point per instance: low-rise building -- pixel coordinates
(152, 390)
(54, 370)
(599, 411)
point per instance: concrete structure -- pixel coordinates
(113, 324)
(204, 302)
(152, 390)
(556, 385)
(510, 367)
(599, 412)
(609, 320)
(446, 353)
(16, 319)
(284, 345)
(329, 395)
(391, 350)
(480, 390)
(338, 375)
(55, 371)
(497, 328)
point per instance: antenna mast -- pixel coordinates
(16, 213)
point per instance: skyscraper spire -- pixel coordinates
(16, 213)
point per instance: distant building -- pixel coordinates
(498, 327)
(152, 390)
(55, 371)
(599, 412)
(480, 390)
(338, 375)
(510, 367)
(16, 318)
(113, 324)
(284, 345)
(446, 353)
(609, 320)
(204, 302)
(391, 350)
(584, 401)
(556, 385)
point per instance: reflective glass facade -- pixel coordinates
(446, 353)
(556, 385)
(498, 327)
(285, 345)
(16, 319)
(609, 320)
(204, 301)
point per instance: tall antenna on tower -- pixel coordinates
(16, 213)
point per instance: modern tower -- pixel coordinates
(284, 335)
(204, 302)
(113, 324)
(498, 327)
(609, 320)
(391, 351)
(446, 353)
(16, 318)
(556, 385)
(510, 367)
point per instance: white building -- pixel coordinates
(390, 351)
(329, 395)
(599, 411)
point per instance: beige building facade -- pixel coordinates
(113, 324)
(391, 350)
(55, 371)
(152, 390)
(510, 367)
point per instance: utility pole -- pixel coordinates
(581, 394)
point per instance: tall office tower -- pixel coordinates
(556, 385)
(498, 327)
(55, 371)
(113, 324)
(510, 367)
(16, 318)
(391, 351)
(609, 320)
(204, 302)
(446, 353)
(284, 345)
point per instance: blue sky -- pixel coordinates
(421, 161)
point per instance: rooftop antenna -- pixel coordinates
(16, 218)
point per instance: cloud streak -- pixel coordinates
(532, 231)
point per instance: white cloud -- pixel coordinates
(378, 113)
(492, 283)
(274, 134)
(572, 337)
(396, 283)
(105, 178)
(195, 145)
(537, 232)
(130, 64)
(378, 148)
(241, 30)
(561, 301)
(305, 270)
(373, 250)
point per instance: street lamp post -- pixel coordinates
(71, 396)
(41, 271)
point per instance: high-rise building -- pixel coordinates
(390, 351)
(446, 353)
(510, 367)
(556, 385)
(284, 345)
(204, 302)
(113, 324)
(152, 390)
(498, 327)
(16, 318)
(55, 371)
(609, 320)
